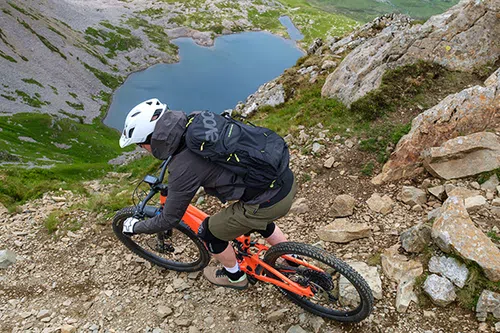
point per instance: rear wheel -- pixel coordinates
(178, 249)
(340, 293)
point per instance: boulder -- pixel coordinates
(438, 192)
(449, 268)
(440, 290)
(453, 230)
(475, 203)
(413, 196)
(491, 184)
(462, 38)
(472, 110)
(399, 268)
(380, 204)
(271, 93)
(416, 238)
(343, 231)
(405, 295)
(7, 258)
(343, 205)
(464, 156)
(489, 302)
(348, 294)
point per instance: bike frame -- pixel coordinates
(249, 260)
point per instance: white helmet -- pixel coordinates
(141, 121)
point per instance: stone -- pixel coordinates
(182, 322)
(405, 295)
(328, 64)
(464, 156)
(43, 314)
(343, 205)
(276, 315)
(271, 93)
(193, 329)
(495, 202)
(413, 196)
(296, 329)
(449, 268)
(379, 204)
(469, 111)
(343, 231)
(317, 148)
(7, 258)
(475, 203)
(454, 231)
(164, 311)
(347, 293)
(440, 290)
(329, 162)
(433, 214)
(299, 206)
(497, 327)
(316, 323)
(489, 302)
(416, 238)
(67, 329)
(438, 192)
(491, 184)
(397, 267)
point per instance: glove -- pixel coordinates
(128, 226)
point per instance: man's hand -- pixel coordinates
(128, 226)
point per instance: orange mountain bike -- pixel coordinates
(308, 275)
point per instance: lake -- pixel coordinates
(209, 78)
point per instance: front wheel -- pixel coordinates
(178, 249)
(340, 293)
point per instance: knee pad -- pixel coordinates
(269, 230)
(213, 244)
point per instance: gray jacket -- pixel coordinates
(186, 173)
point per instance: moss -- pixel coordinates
(54, 89)
(156, 34)
(30, 100)
(115, 39)
(10, 98)
(179, 19)
(367, 169)
(6, 11)
(72, 94)
(468, 296)
(152, 12)
(494, 236)
(109, 80)
(43, 39)
(7, 57)
(57, 31)
(76, 106)
(22, 10)
(33, 81)
(80, 119)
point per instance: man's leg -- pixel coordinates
(276, 237)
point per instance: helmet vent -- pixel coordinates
(130, 132)
(135, 114)
(156, 114)
(149, 103)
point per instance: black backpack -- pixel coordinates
(257, 154)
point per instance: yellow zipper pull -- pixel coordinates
(201, 148)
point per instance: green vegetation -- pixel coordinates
(54, 89)
(7, 57)
(109, 80)
(494, 236)
(22, 10)
(72, 94)
(76, 106)
(61, 220)
(152, 12)
(367, 169)
(156, 34)
(33, 81)
(266, 21)
(10, 98)
(30, 100)
(92, 145)
(115, 39)
(56, 31)
(366, 10)
(42, 39)
(483, 177)
(80, 119)
(468, 296)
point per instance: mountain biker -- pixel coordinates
(161, 132)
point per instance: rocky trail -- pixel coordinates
(86, 281)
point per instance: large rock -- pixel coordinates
(7, 258)
(449, 268)
(489, 302)
(343, 231)
(440, 290)
(475, 203)
(348, 294)
(405, 295)
(453, 230)
(343, 205)
(380, 204)
(464, 156)
(472, 110)
(399, 268)
(413, 196)
(416, 238)
(462, 38)
(271, 93)
(438, 191)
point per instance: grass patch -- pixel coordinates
(80, 119)
(152, 12)
(493, 235)
(109, 80)
(468, 296)
(483, 177)
(76, 106)
(367, 169)
(22, 10)
(51, 28)
(115, 39)
(156, 34)
(10, 98)
(33, 81)
(374, 260)
(7, 57)
(54, 89)
(30, 100)
(43, 39)
(61, 220)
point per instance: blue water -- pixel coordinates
(207, 78)
(293, 32)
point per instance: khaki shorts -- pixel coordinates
(240, 218)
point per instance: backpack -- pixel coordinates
(257, 154)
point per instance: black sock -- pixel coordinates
(234, 276)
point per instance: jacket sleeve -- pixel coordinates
(182, 186)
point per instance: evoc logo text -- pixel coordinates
(212, 133)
